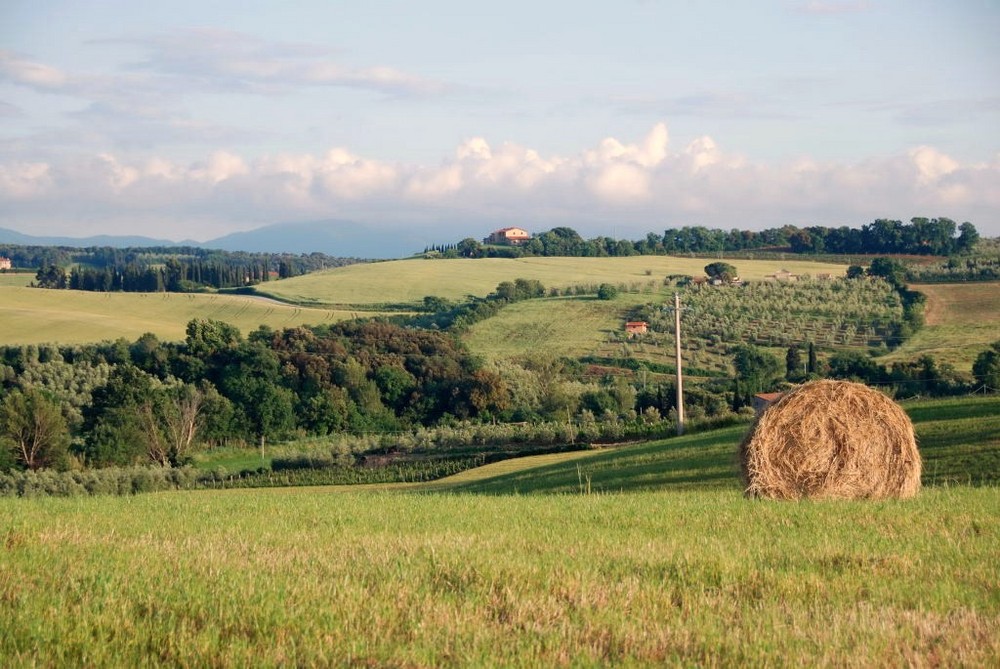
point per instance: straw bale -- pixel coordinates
(831, 439)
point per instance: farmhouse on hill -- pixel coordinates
(512, 236)
(5, 263)
(762, 401)
(633, 328)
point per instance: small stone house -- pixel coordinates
(5, 263)
(633, 328)
(761, 401)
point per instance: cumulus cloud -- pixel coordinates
(636, 186)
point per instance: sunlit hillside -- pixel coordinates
(960, 321)
(409, 281)
(36, 315)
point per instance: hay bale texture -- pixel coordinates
(831, 439)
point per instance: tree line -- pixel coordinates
(921, 236)
(159, 269)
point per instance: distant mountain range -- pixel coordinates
(345, 239)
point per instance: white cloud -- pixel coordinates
(24, 180)
(634, 186)
(221, 166)
(219, 59)
(649, 153)
(621, 183)
(20, 70)
(931, 164)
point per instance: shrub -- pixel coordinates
(607, 291)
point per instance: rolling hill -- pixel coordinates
(960, 320)
(409, 281)
(34, 315)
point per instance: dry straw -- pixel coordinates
(831, 439)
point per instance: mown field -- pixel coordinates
(409, 281)
(34, 315)
(552, 327)
(642, 555)
(16, 278)
(961, 320)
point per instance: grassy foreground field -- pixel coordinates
(693, 578)
(663, 563)
(34, 315)
(409, 281)
(961, 320)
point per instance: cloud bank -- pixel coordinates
(615, 187)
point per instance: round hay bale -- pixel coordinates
(831, 439)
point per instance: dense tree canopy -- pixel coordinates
(921, 236)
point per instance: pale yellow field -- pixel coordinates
(961, 321)
(35, 315)
(16, 279)
(409, 281)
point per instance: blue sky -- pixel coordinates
(195, 119)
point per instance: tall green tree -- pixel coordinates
(253, 382)
(170, 419)
(50, 276)
(967, 238)
(889, 269)
(793, 363)
(33, 427)
(986, 368)
(756, 369)
(721, 270)
(115, 432)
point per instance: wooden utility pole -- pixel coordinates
(680, 380)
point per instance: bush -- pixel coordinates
(111, 481)
(606, 291)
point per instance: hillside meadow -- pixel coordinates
(552, 327)
(961, 320)
(35, 315)
(409, 281)
(32, 316)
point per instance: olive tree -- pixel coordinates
(33, 427)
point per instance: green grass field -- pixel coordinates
(381, 579)
(552, 327)
(961, 320)
(640, 555)
(34, 315)
(409, 281)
